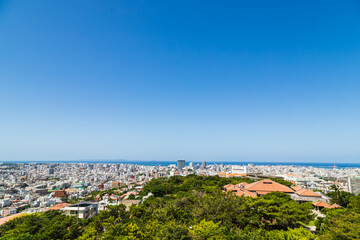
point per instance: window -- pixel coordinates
(73, 212)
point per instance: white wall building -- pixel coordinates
(239, 169)
(82, 210)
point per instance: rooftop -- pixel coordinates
(266, 186)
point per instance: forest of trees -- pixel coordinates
(194, 207)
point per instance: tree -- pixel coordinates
(297, 233)
(340, 224)
(158, 191)
(25, 236)
(131, 197)
(191, 207)
(64, 199)
(207, 230)
(47, 225)
(173, 230)
(354, 203)
(341, 198)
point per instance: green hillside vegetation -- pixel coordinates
(341, 223)
(191, 207)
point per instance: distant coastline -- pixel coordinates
(167, 163)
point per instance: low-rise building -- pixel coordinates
(5, 203)
(60, 193)
(81, 210)
(7, 212)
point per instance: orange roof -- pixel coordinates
(232, 174)
(8, 218)
(297, 188)
(242, 192)
(334, 206)
(128, 193)
(237, 174)
(238, 191)
(58, 206)
(307, 193)
(321, 204)
(267, 186)
(229, 186)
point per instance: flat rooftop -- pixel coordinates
(82, 205)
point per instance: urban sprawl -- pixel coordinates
(75, 188)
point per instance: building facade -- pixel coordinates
(180, 164)
(81, 210)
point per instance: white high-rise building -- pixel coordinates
(239, 169)
(191, 165)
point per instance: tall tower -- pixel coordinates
(203, 165)
(180, 164)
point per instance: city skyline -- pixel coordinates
(235, 81)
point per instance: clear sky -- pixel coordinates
(201, 80)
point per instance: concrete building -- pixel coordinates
(239, 169)
(7, 212)
(60, 193)
(81, 210)
(180, 164)
(354, 184)
(51, 171)
(203, 165)
(191, 166)
(5, 202)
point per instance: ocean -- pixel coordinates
(166, 163)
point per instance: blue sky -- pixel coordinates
(201, 80)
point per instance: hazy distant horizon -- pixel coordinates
(175, 160)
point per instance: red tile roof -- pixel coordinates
(229, 186)
(335, 206)
(307, 193)
(321, 204)
(242, 192)
(266, 186)
(297, 188)
(239, 191)
(128, 194)
(58, 206)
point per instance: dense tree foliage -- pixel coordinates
(339, 197)
(48, 225)
(173, 185)
(192, 207)
(341, 223)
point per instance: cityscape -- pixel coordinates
(179, 120)
(38, 187)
